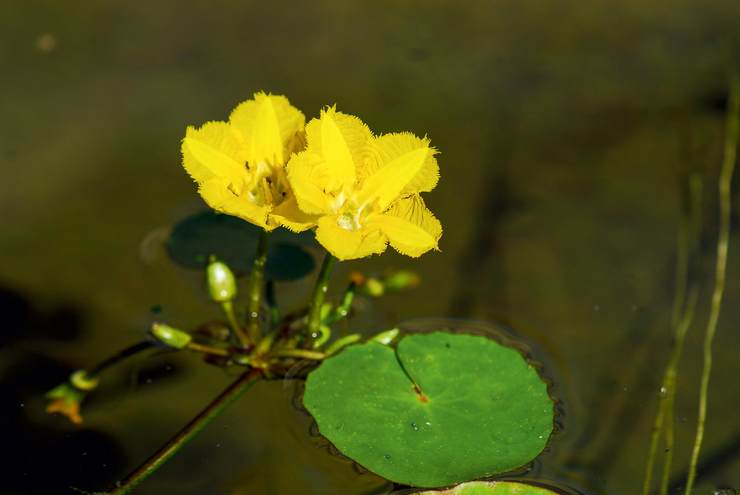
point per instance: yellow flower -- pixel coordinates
(239, 165)
(365, 189)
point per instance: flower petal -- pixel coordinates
(269, 126)
(385, 185)
(411, 228)
(349, 244)
(388, 147)
(341, 140)
(220, 197)
(308, 177)
(213, 151)
(290, 216)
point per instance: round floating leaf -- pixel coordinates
(234, 241)
(492, 488)
(440, 409)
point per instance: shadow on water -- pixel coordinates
(497, 201)
(46, 454)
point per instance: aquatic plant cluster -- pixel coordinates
(426, 410)
(419, 409)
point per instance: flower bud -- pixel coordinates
(402, 279)
(82, 381)
(221, 281)
(374, 287)
(325, 310)
(387, 337)
(170, 336)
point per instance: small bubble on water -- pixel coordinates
(724, 491)
(428, 423)
(414, 426)
(387, 456)
(663, 390)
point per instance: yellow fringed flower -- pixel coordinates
(365, 189)
(239, 165)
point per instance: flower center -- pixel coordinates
(264, 187)
(347, 211)
(348, 221)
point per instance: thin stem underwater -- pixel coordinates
(682, 317)
(723, 241)
(188, 432)
(668, 388)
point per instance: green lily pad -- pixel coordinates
(492, 488)
(440, 409)
(234, 241)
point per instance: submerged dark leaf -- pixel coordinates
(207, 233)
(234, 241)
(288, 262)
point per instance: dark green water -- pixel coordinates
(562, 127)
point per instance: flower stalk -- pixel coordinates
(188, 432)
(256, 288)
(120, 356)
(319, 296)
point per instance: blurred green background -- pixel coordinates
(562, 128)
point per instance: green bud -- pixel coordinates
(325, 310)
(81, 380)
(221, 281)
(170, 336)
(402, 279)
(387, 337)
(374, 287)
